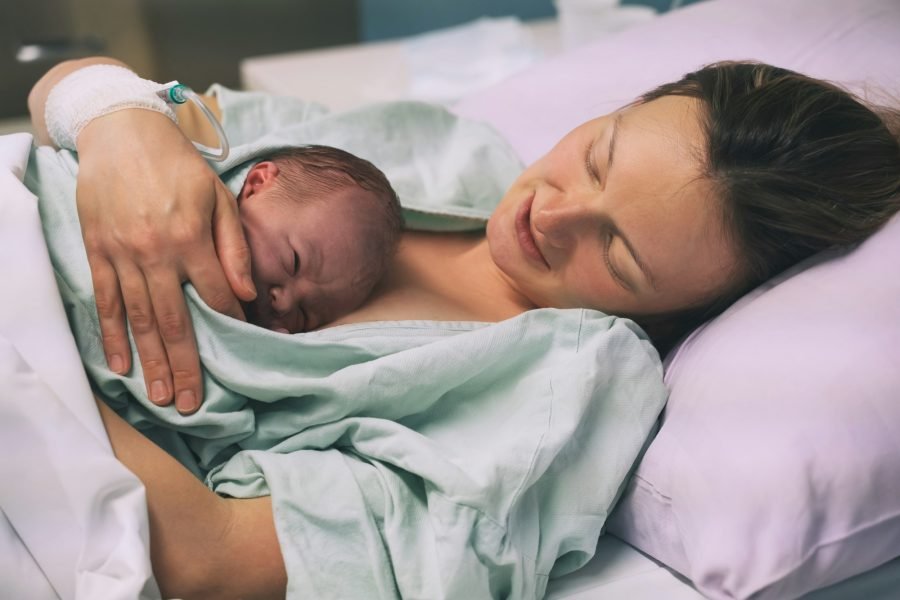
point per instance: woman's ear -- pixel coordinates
(260, 177)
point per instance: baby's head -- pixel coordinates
(322, 226)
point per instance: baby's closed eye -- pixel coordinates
(296, 264)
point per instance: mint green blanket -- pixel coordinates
(413, 459)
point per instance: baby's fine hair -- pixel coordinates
(332, 169)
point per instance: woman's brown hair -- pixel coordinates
(799, 164)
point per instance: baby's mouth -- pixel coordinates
(252, 312)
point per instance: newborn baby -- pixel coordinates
(322, 226)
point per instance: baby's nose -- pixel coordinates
(280, 300)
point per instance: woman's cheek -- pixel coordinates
(585, 287)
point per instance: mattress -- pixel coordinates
(619, 571)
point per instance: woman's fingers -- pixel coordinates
(231, 247)
(111, 313)
(152, 352)
(160, 323)
(173, 324)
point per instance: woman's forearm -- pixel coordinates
(191, 122)
(201, 545)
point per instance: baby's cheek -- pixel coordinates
(353, 298)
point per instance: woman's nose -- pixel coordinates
(561, 216)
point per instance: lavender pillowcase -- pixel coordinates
(776, 470)
(854, 42)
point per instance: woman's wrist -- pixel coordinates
(93, 92)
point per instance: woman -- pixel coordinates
(664, 211)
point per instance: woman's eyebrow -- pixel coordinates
(610, 152)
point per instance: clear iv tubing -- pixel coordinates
(177, 93)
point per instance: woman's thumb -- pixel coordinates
(231, 246)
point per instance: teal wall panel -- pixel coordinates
(381, 19)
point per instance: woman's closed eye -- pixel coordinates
(609, 266)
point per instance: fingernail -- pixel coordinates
(158, 392)
(117, 364)
(186, 402)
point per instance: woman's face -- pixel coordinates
(617, 217)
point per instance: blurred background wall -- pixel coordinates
(380, 19)
(195, 41)
(202, 41)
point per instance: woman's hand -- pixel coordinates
(154, 215)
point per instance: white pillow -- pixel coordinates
(776, 469)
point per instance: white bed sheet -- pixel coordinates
(619, 571)
(73, 520)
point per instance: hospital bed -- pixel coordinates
(73, 521)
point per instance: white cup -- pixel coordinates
(582, 21)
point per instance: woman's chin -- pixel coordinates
(498, 245)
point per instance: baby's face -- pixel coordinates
(309, 259)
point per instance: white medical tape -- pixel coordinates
(95, 91)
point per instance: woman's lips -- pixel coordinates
(524, 235)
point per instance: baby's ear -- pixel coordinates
(259, 178)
